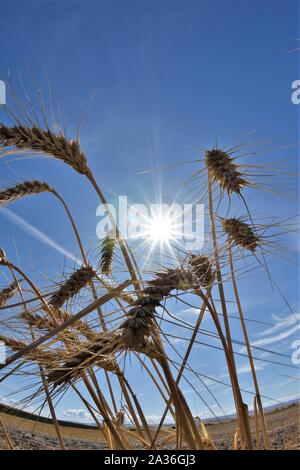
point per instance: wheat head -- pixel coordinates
(35, 139)
(240, 234)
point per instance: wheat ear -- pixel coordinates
(38, 355)
(201, 267)
(8, 293)
(72, 286)
(38, 140)
(240, 233)
(107, 251)
(28, 188)
(137, 327)
(223, 169)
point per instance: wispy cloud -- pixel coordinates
(77, 414)
(245, 368)
(283, 328)
(281, 323)
(38, 234)
(155, 419)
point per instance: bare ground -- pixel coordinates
(283, 426)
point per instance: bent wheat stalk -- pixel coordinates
(28, 188)
(249, 351)
(242, 416)
(35, 139)
(78, 279)
(38, 140)
(55, 331)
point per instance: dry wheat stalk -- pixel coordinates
(42, 322)
(19, 191)
(72, 286)
(230, 182)
(8, 293)
(240, 233)
(137, 328)
(225, 171)
(38, 355)
(3, 259)
(38, 140)
(201, 267)
(98, 352)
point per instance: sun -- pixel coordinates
(161, 229)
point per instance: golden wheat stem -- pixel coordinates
(251, 361)
(89, 408)
(240, 406)
(138, 407)
(185, 359)
(42, 374)
(52, 410)
(103, 411)
(98, 309)
(6, 435)
(218, 268)
(236, 389)
(164, 397)
(182, 410)
(256, 418)
(55, 331)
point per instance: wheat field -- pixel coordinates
(108, 310)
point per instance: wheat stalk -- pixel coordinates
(243, 418)
(42, 322)
(240, 233)
(201, 267)
(223, 169)
(72, 286)
(137, 327)
(28, 188)
(98, 352)
(38, 140)
(7, 293)
(107, 251)
(247, 342)
(38, 355)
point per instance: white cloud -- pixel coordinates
(155, 419)
(78, 414)
(281, 323)
(245, 369)
(276, 338)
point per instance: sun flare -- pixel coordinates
(161, 229)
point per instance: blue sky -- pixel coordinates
(168, 76)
